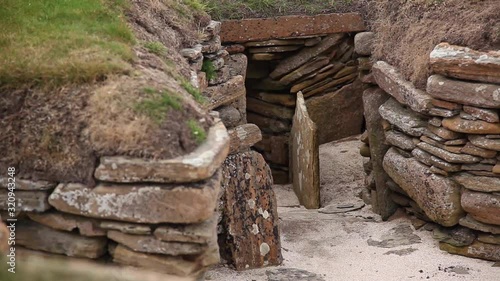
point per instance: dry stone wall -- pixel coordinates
(436, 152)
(287, 55)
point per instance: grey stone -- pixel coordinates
(484, 142)
(28, 201)
(457, 236)
(470, 222)
(448, 156)
(400, 140)
(130, 228)
(488, 115)
(292, 274)
(406, 120)
(363, 43)
(229, 115)
(22, 184)
(201, 233)
(441, 112)
(400, 235)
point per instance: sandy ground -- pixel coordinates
(356, 245)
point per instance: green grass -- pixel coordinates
(156, 47)
(157, 104)
(63, 41)
(193, 91)
(197, 131)
(209, 68)
(237, 9)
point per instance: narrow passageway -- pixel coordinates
(354, 245)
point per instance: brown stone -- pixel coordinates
(160, 263)
(243, 137)
(39, 237)
(364, 150)
(289, 27)
(237, 65)
(471, 149)
(460, 125)
(225, 93)
(211, 46)
(199, 165)
(269, 109)
(485, 142)
(275, 42)
(305, 156)
(280, 176)
(448, 156)
(439, 197)
(456, 142)
(437, 163)
(489, 238)
(372, 99)
(309, 42)
(201, 233)
(400, 140)
(67, 222)
(274, 98)
(267, 124)
(293, 62)
(391, 81)
(22, 184)
(28, 201)
(436, 121)
(230, 116)
(444, 133)
(405, 119)
(446, 104)
(149, 244)
(484, 207)
(339, 114)
(234, 48)
(275, 148)
(477, 250)
(470, 222)
(363, 43)
(477, 167)
(130, 228)
(464, 63)
(174, 203)
(330, 85)
(272, 49)
(250, 237)
(267, 56)
(438, 171)
(212, 29)
(309, 67)
(496, 169)
(487, 115)
(441, 112)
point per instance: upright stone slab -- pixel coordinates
(437, 196)
(250, 234)
(373, 98)
(464, 63)
(339, 114)
(305, 156)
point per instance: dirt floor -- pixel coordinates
(355, 245)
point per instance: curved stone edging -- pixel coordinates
(196, 166)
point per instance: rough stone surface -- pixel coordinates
(249, 213)
(484, 207)
(304, 151)
(199, 165)
(487, 115)
(458, 236)
(160, 263)
(391, 81)
(446, 104)
(275, 98)
(444, 133)
(230, 116)
(470, 222)
(464, 63)
(405, 119)
(225, 93)
(289, 27)
(130, 228)
(22, 184)
(149, 244)
(179, 203)
(489, 238)
(441, 112)
(28, 201)
(363, 43)
(243, 137)
(460, 125)
(67, 222)
(348, 105)
(471, 149)
(39, 237)
(485, 142)
(448, 156)
(201, 233)
(477, 250)
(313, 65)
(269, 109)
(372, 99)
(438, 197)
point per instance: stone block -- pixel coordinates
(363, 43)
(243, 137)
(484, 207)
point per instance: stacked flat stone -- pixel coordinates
(156, 214)
(247, 206)
(443, 145)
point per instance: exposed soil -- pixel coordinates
(57, 134)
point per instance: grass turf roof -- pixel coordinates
(63, 41)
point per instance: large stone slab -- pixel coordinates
(250, 235)
(372, 99)
(478, 183)
(393, 82)
(243, 137)
(275, 98)
(313, 65)
(315, 78)
(470, 222)
(225, 93)
(269, 109)
(201, 233)
(484, 207)
(477, 250)
(400, 140)
(339, 114)
(199, 165)
(181, 203)
(464, 63)
(449, 156)
(438, 197)
(469, 93)
(290, 27)
(39, 237)
(405, 119)
(160, 263)
(460, 125)
(293, 62)
(484, 142)
(149, 244)
(304, 155)
(28, 201)
(67, 222)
